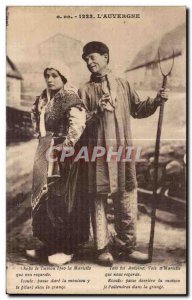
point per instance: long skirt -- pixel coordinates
(60, 208)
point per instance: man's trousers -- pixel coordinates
(125, 218)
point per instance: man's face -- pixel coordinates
(96, 62)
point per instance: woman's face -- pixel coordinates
(53, 80)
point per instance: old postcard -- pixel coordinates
(96, 150)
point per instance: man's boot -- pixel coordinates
(137, 257)
(128, 253)
(104, 257)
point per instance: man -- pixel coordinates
(111, 102)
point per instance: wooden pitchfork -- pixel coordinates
(156, 159)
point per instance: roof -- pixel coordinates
(12, 70)
(173, 40)
(61, 37)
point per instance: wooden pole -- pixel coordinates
(156, 162)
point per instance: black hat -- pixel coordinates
(95, 47)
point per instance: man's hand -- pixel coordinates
(162, 96)
(104, 103)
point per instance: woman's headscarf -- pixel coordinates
(63, 71)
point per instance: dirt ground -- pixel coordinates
(169, 244)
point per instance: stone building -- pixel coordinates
(14, 84)
(144, 72)
(58, 47)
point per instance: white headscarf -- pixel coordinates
(63, 69)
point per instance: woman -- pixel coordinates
(60, 216)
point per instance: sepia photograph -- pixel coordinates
(96, 163)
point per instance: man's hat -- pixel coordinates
(94, 47)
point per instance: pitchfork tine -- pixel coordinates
(159, 56)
